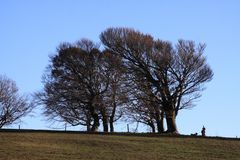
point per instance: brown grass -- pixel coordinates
(75, 146)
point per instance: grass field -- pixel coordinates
(75, 146)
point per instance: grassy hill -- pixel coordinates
(78, 146)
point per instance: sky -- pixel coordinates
(30, 31)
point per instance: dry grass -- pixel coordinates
(65, 146)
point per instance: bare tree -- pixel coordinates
(79, 86)
(12, 105)
(75, 81)
(175, 74)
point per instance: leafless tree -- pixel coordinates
(12, 105)
(74, 84)
(81, 86)
(175, 74)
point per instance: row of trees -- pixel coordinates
(133, 77)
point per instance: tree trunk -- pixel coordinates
(160, 126)
(104, 118)
(111, 119)
(171, 122)
(95, 123)
(112, 116)
(88, 124)
(105, 123)
(88, 128)
(153, 127)
(95, 117)
(160, 122)
(111, 124)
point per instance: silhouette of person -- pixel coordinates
(203, 131)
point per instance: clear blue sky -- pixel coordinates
(31, 30)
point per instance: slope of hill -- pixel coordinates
(75, 146)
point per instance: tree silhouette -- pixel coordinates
(175, 74)
(12, 105)
(77, 86)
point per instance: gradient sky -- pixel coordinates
(31, 30)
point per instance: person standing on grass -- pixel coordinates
(203, 131)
